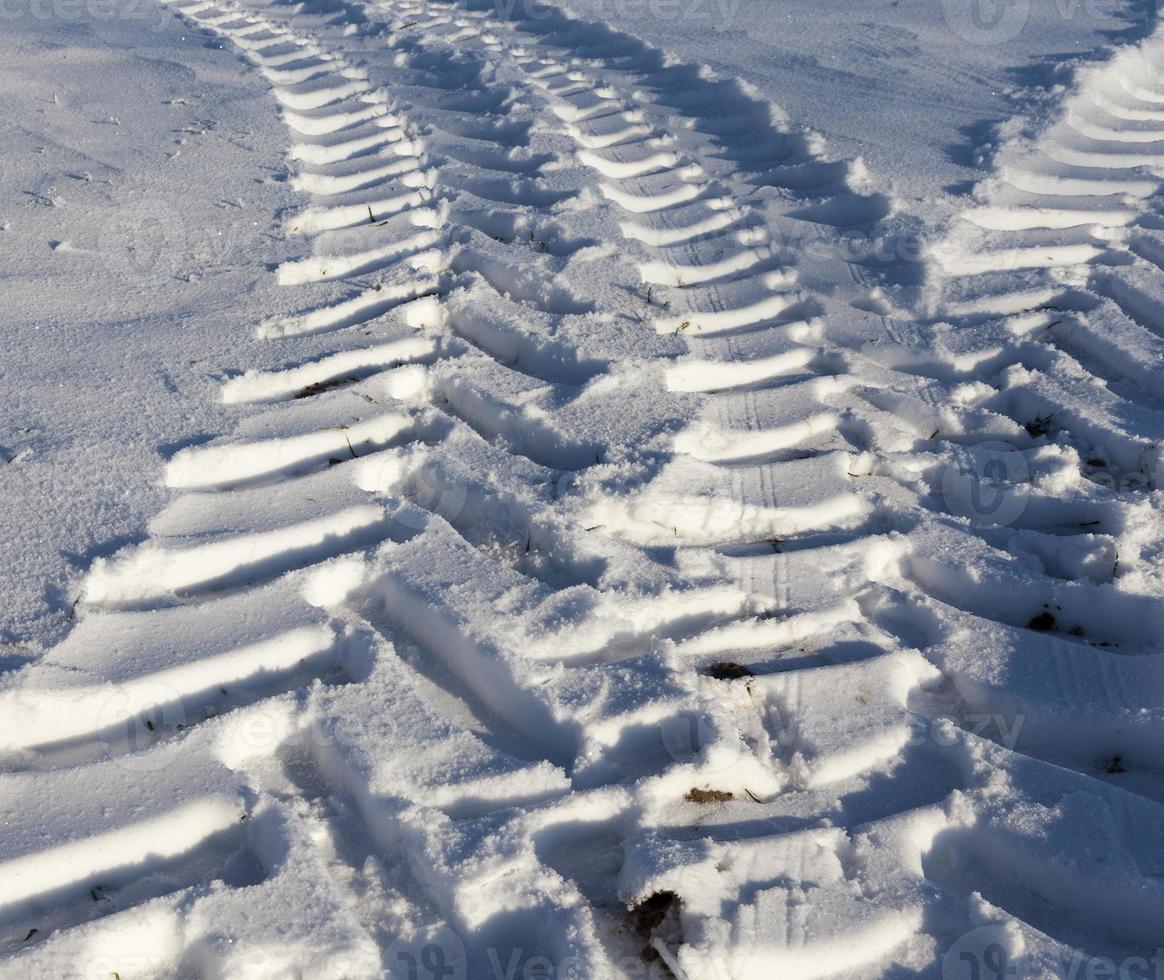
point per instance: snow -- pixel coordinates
(109, 351)
(584, 490)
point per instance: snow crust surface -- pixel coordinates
(551, 512)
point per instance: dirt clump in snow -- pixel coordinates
(707, 796)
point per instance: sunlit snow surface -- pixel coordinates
(583, 523)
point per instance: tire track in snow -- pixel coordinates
(255, 482)
(1043, 307)
(742, 525)
(161, 573)
(878, 422)
(490, 568)
(1041, 600)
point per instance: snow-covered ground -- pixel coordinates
(617, 489)
(142, 169)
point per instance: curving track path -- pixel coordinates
(641, 581)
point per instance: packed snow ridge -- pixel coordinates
(641, 583)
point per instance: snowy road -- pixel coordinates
(675, 562)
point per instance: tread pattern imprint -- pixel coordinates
(640, 580)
